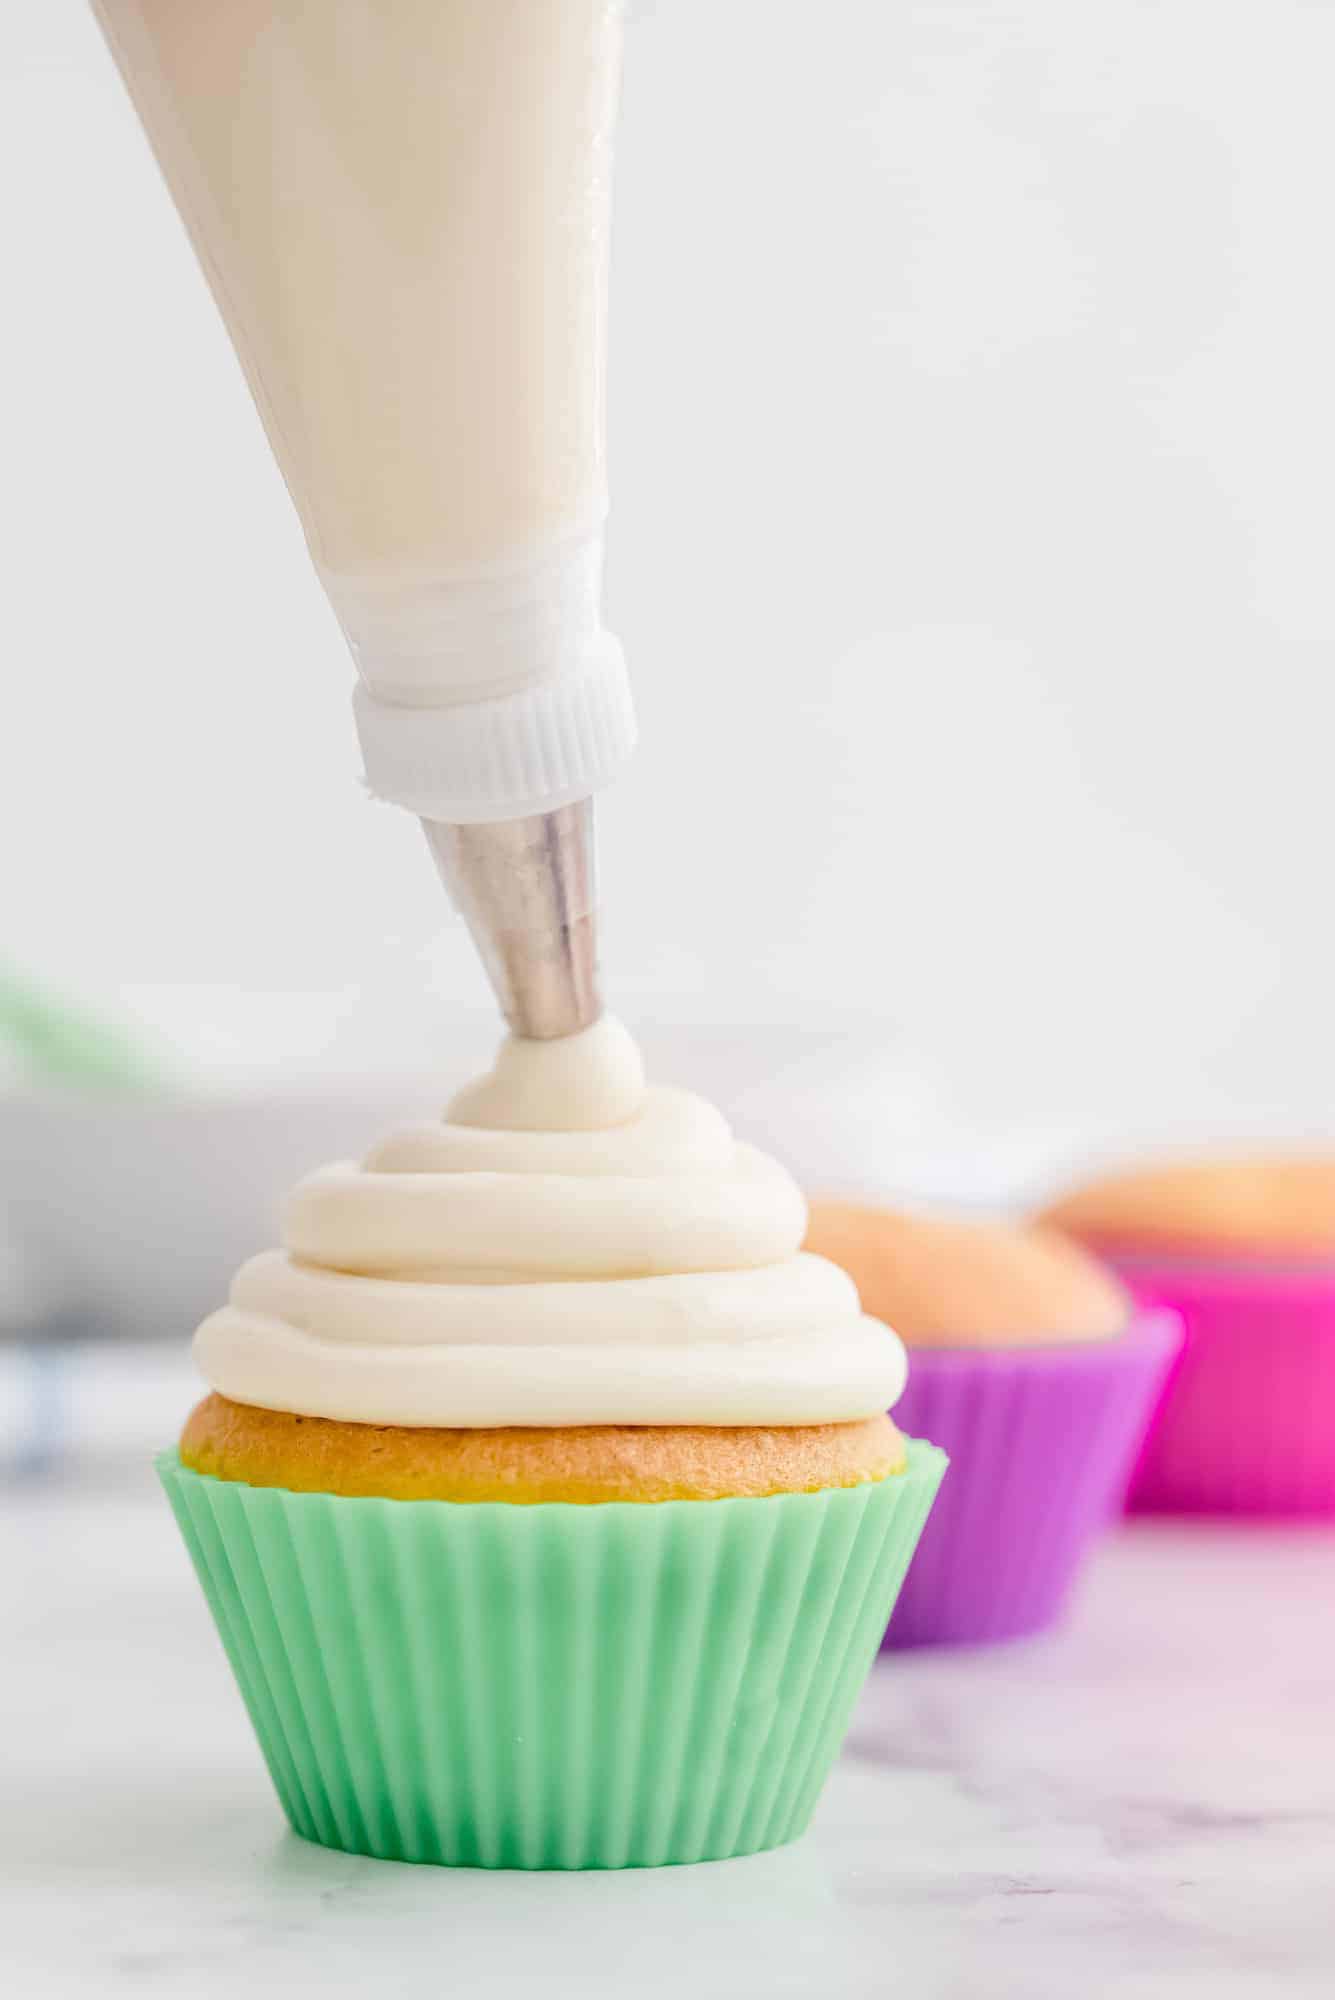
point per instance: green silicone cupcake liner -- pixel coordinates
(495, 1686)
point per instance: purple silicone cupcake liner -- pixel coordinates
(1041, 1441)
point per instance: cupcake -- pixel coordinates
(1244, 1250)
(1031, 1366)
(545, 1499)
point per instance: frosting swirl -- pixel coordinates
(567, 1247)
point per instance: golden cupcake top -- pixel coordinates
(1244, 1205)
(579, 1464)
(947, 1283)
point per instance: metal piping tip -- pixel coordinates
(525, 888)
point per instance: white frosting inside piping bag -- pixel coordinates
(568, 1247)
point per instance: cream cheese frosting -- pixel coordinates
(568, 1246)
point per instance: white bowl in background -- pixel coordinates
(132, 1214)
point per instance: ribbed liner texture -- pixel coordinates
(1041, 1443)
(554, 1686)
(1248, 1423)
(528, 751)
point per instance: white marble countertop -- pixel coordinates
(1139, 1809)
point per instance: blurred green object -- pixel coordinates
(51, 1041)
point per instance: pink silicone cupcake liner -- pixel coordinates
(1248, 1423)
(1041, 1442)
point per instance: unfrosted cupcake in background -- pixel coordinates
(1030, 1365)
(546, 1499)
(1244, 1249)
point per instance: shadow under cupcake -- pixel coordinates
(1244, 1250)
(1036, 1373)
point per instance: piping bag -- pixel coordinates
(402, 208)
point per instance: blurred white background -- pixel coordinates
(971, 450)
